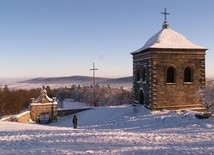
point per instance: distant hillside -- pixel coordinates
(69, 79)
(78, 80)
(120, 80)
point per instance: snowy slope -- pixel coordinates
(112, 130)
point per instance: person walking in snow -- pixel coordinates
(75, 121)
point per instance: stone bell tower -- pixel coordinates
(168, 71)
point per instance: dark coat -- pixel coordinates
(75, 121)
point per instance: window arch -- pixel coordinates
(188, 74)
(141, 97)
(170, 74)
(138, 75)
(143, 73)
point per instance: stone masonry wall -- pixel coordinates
(179, 93)
(140, 61)
(38, 109)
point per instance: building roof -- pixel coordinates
(44, 99)
(166, 38)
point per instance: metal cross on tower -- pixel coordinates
(165, 13)
(94, 69)
(165, 24)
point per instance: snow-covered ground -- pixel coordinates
(112, 130)
(70, 104)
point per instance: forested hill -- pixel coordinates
(78, 79)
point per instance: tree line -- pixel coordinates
(16, 101)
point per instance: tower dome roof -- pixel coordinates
(166, 38)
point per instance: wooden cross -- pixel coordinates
(165, 13)
(94, 69)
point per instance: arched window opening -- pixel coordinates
(141, 97)
(138, 75)
(170, 75)
(188, 75)
(144, 74)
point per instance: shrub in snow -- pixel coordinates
(103, 95)
(208, 95)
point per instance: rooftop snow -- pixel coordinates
(167, 38)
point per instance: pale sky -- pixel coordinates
(52, 38)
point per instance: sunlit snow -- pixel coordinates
(112, 130)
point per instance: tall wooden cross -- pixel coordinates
(94, 69)
(165, 14)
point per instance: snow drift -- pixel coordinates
(112, 130)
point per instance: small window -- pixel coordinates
(170, 77)
(138, 75)
(141, 97)
(144, 74)
(188, 74)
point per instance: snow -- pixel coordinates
(167, 38)
(71, 104)
(112, 130)
(53, 103)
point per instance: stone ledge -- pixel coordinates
(66, 112)
(205, 115)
